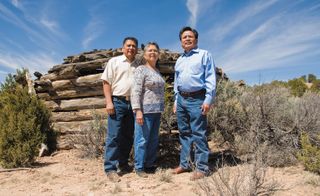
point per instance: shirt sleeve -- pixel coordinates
(136, 88)
(107, 74)
(175, 87)
(210, 79)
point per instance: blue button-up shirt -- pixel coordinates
(194, 71)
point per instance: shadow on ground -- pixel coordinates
(169, 152)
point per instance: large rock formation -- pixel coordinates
(73, 89)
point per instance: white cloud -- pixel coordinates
(197, 9)
(277, 42)
(48, 20)
(94, 28)
(92, 31)
(40, 27)
(35, 61)
(317, 6)
(31, 30)
(193, 6)
(88, 39)
(16, 3)
(52, 26)
(245, 14)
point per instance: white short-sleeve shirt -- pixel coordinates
(119, 74)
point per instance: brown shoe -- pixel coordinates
(179, 170)
(197, 175)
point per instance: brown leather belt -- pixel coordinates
(190, 94)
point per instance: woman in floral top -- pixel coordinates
(147, 100)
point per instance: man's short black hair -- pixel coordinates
(195, 32)
(132, 39)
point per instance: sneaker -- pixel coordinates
(142, 174)
(113, 176)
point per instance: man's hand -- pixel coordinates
(108, 95)
(139, 117)
(174, 109)
(205, 108)
(110, 108)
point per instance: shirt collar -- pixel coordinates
(194, 50)
(123, 58)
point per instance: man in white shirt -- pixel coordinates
(117, 80)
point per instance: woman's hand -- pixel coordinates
(139, 117)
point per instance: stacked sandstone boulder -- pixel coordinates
(73, 89)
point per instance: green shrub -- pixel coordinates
(315, 86)
(297, 86)
(168, 119)
(312, 78)
(24, 125)
(309, 154)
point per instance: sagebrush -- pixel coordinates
(90, 141)
(268, 114)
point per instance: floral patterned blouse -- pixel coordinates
(147, 92)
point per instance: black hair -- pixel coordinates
(132, 39)
(195, 32)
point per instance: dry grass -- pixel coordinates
(247, 179)
(164, 175)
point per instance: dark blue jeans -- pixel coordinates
(192, 128)
(146, 139)
(119, 137)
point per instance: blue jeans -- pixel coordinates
(192, 128)
(119, 137)
(146, 139)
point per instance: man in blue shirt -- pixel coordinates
(194, 87)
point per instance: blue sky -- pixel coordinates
(254, 40)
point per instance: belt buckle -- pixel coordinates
(127, 98)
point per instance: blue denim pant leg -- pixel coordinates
(119, 136)
(185, 133)
(192, 126)
(126, 137)
(146, 141)
(198, 123)
(153, 141)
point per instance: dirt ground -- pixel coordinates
(65, 173)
